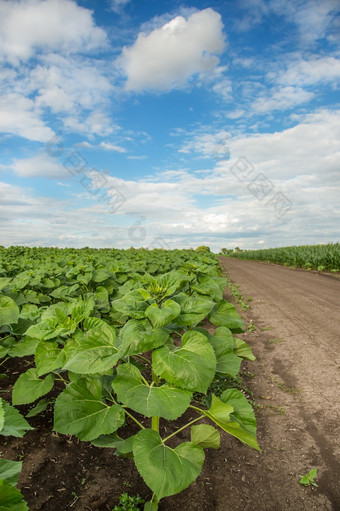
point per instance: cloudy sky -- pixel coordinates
(169, 123)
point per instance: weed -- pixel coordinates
(129, 503)
(276, 341)
(276, 410)
(308, 479)
(267, 328)
(251, 327)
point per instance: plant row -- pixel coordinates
(121, 338)
(311, 257)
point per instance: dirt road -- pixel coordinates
(296, 385)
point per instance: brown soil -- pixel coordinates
(293, 383)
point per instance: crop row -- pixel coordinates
(129, 336)
(316, 257)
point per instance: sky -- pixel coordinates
(169, 124)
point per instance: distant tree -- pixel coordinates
(203, 248)
(227, 251)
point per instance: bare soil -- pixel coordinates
(294, 384)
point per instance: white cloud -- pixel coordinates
(315, 70)
(312, 17)
(97, 123)
(112, 147)
(118, 5)
(108, 146)
(68, 84)
(168, 56)
(41, 165)
(19, 116)
(29, 26)
(282, 98)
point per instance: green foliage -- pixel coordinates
(310, 257)
(129, 503)
(308, 479)
(122, 331)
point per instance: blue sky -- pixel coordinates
(169, 124)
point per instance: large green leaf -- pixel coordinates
(46, 329)
(11, 498)
(139, 337)
(225, 314)
(228, 364)
(243, 422)
(10, 471)
(209, 286)
(219, 412)
(94, 351)
(205, 436)
(166, 471)
(48, 357)
(132, 305)
(24, 347)
(163, 316)
(14, 423)
(164, 401)
(190, 366)
(80, 410)
(193, 309)
(9, 311)
(30, 387)
(4, 281)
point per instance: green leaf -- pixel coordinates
(132, 305)
(112, 441)
(14, 422)
(9, 311)
(205, 436)
(209, 286)
(46, 329)
(48, 357)
(6, 345)
(166, 471)
(94, 351)
(79, 410)
(190, 366)
(219, 412)
(193, 309)
(226, 315)
(38, 408)
(30, 387)
(10, 471)
(163, 316)
(26, 346)
(164, 401)
(11, 498)
(243, 350)
(100, 275)
(139, 337)
(228, 364)
(150, 506)
(4, 281)
(242, 423)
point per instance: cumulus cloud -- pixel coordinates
(29, 26)
(168, 56)
(68, 84)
